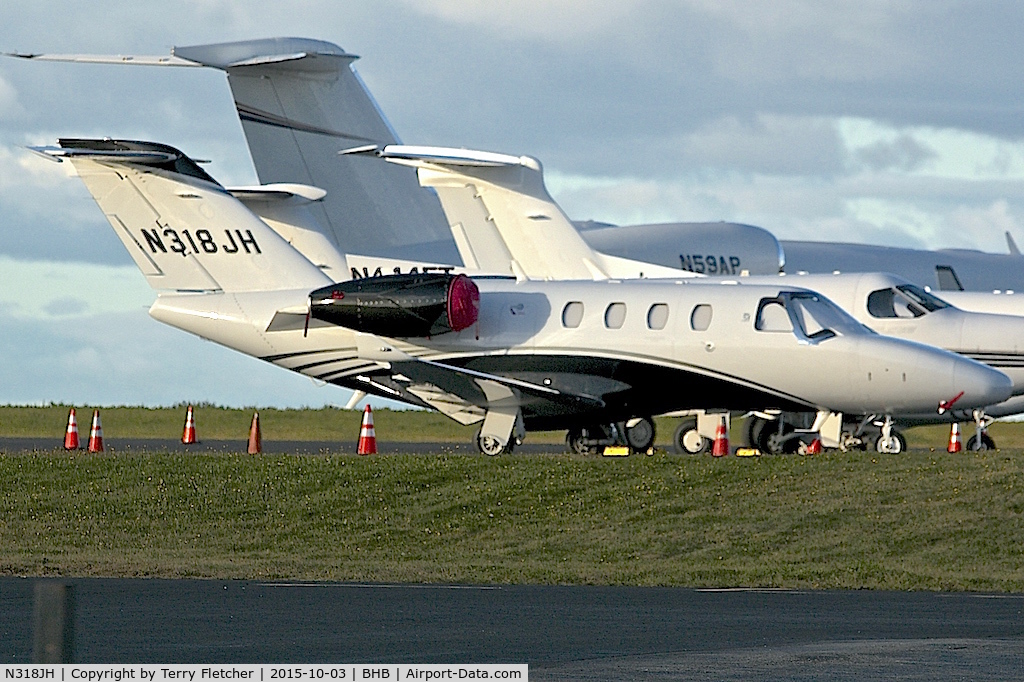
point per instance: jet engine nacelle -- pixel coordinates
(400, 306)
(729, 249)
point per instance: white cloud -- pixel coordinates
(127, 358)
(553, 20)
(974, 225)
(10, 107)
(45, 290)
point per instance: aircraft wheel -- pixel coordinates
(688, 441)
(986, 443)
(491, 446)
(640, 436)
(755, 432)
(764, 435)
(894, 446)
(576, 442)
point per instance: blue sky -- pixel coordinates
(895, 123)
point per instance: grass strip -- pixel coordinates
(919, 521)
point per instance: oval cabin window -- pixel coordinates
(700, 318)
(572, 314)
(657, 316)
(615, 315)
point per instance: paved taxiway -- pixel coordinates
(578, 633)
(142, 445)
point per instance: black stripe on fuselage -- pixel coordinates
(994, 359)
(653, 389)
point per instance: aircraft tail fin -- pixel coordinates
(1011, 244)
(300, 102)
(503, 218)
(180, 226)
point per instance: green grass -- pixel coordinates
(922, 520)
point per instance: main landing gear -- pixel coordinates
(688, 439)
(491, 446)
(792, 432)
(637, 434)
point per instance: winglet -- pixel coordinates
(1014, 251)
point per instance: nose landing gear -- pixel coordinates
(890, 441)
(981, 440)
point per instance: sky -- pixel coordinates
(894, 123)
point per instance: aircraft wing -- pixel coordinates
(300, 102)
(504, 220)
(467, 394)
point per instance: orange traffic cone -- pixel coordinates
(720, 448)
(71, 435)
(955, 442)
(188, 436)
(367, 436)
(255, 439)
(96, 433)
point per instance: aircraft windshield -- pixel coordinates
(903, 301)
(930, 302)
(807, 315)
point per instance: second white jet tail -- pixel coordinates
(504, 220)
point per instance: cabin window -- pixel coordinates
(657, 316)
(700, 318)
(572, 314)
(615, 315)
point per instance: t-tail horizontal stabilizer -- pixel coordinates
(503, 219)
(299, 101)
(180, 226)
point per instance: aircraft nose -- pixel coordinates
(981, 384)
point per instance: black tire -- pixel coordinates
(491, 447)
(574, 440)
(640, 436)
(764, 435)
(755, 433)
(687, 441)
(986, 443)
(897, 446)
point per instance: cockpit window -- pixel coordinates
(808, 315)
(904, 301)
(772, 317)
(889, 304)
(929, 301)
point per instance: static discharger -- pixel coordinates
(71, 435)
